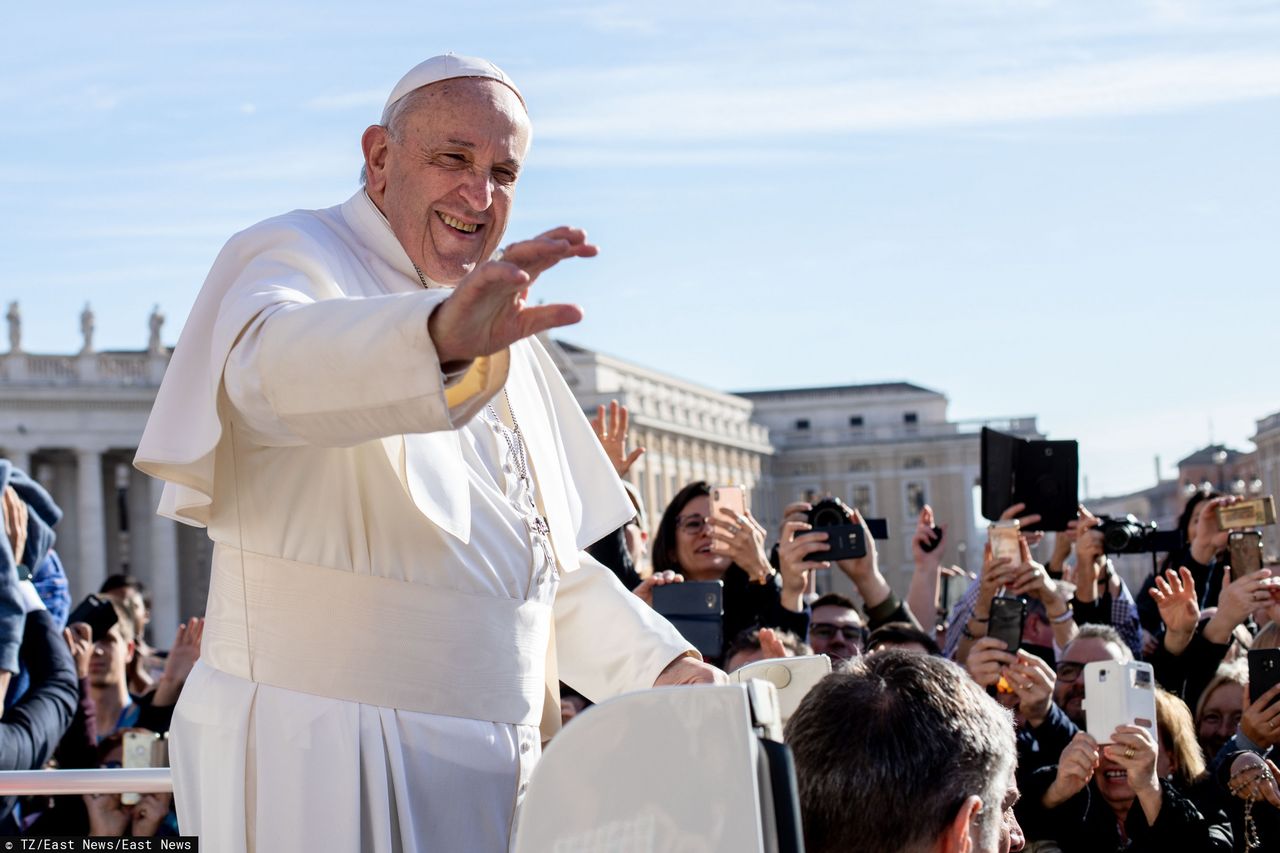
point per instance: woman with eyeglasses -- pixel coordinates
(755, 595)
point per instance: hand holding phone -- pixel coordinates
(732, 498)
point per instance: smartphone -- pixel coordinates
(1246, 553)
(96, 612)
(1008, 616)
(1003, 536)
(139, 749)
(1118, 694)
(696, 610)
(732, 498)
(1264, 673)
(1254, 512)
(929, 547)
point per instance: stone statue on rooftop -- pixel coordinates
(86, 329)
(15, 327)
(156, 322)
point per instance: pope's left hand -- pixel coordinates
(689, 670)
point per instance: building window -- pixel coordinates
(910, 418)
(861, 499)
(855, 421)
(913, 462)
(915, 498)
(859, 465)
(802, 423)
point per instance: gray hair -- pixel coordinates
(1105, 633)
(888, 751)
(393, 118)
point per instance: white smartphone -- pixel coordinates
(138, 751)
(1119, 694)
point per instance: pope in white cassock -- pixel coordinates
(398, 484)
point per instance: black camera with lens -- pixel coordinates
(847, 540)
(1127, 535)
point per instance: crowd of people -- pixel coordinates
(924, 713)
(1208, 782)
(82, 682)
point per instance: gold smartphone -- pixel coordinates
(1254, 512)
(732, 498)
(1004, 536)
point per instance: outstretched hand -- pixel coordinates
(612, 433)
(488, 310)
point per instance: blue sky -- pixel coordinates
(1066, 209)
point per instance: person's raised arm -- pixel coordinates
(922, 597)
(309, 369)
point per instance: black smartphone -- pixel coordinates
(930, 546)
(1264, 673)
(696, 609)
(96, 612)
(1008, 615)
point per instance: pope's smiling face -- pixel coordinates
(445, 174)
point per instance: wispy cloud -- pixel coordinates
(698, 111)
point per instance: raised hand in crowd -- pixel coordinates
(177, 666)
(149, 813)
(79, 637)
(1090, 556)
(1032, 680)
(865, 571)
(1134, 750)
(1033, 580)
(1175, 596)
(926, 581)
(799, 541)
(108, 816)
(1255, 778)
(771, 645)
(1075, 768)
(645, 590)
(612, 432)
(1238, 600)
(743, 541)
(1260, 721)
(14, 510)
(987, 660)
(1062, 544)
(1207, 536)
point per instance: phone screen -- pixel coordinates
(1007, 617)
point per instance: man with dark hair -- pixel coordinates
(928, 767)
(835, 628)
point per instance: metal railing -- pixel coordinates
(150, 780)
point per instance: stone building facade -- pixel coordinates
(887, 448)
(74, 421)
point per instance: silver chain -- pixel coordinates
(516, 446)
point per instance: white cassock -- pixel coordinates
(383, 593)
